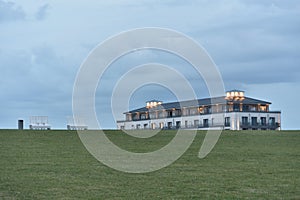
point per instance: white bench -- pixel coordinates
(39, 123)
(40, 126)
(76, 124)
(77, 127)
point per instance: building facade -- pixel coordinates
(234, 111)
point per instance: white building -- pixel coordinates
(231, 112)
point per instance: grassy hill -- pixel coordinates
(243, 165)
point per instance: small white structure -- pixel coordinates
(76, 123)
(39, 123)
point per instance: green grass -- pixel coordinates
(243, 165)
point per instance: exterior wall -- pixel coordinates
(204, 122)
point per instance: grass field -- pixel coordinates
(243, 165)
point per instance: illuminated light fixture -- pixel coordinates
(235, 95)
(153, 103)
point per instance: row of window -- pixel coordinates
(245, 123)
(173, 125)
(254, 121)
(195, 111)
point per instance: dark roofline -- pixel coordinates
(262, 101)
(234, 90)
(153, 100)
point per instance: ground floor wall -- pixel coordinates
(228, 121)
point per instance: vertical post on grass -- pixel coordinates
(20, 124)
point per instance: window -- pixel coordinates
(128, 117)
(263, 108)
(227, 121)
(236, 107)
(152, 115)
(153, 125)
(253, 108)
(205, 122)
(169, 125)
(176, 113)
(185, 111)
(272, 121)
(245, 121)
(144, 116)
(196, 123)
(224, 108)
(207, 110)
(254, 121)
(263, 121)
(136, 116)
(200, 110)
(161, 125)
(230, 108)
(215, 108)
(193, 111)
(178, 124)
(161, 114)
(245, 108)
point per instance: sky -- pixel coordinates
(254, 43)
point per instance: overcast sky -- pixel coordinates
(255, 44)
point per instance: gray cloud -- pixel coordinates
(256, 42)
(42, 12)
(10, 12)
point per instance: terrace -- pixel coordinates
(193, 111)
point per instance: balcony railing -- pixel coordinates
(194, 114)
(209, 125)
(248, 125)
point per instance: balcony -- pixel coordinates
(270, 126)
(138, 118)
(172, 127)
